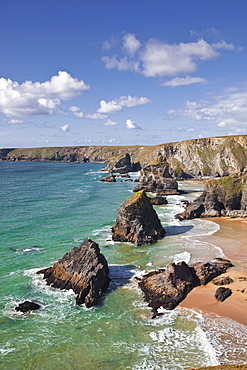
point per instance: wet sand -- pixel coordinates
(232, 239)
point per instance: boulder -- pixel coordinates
(168, 287)
(222, 293)
(84, 270)
(158, 201)
(109, 178)
(222, 280)
(27, 306)
(137, 221)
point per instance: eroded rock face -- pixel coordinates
(155, 178)
(109, 178)
(224, 197)
(168, 287)
(137, 221)
(122, 164)
(84, 270)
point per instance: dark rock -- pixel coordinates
(208, 271)
(109, 178)
(155, 178)
(137, 221)
(222, 280)
(168, 287)
(84, 269)
(223, 197)
(222, 293)
(122, 164)
(27, 306)
(158, 201)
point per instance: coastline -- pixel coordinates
(232, 239)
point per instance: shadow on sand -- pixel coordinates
(176, 230)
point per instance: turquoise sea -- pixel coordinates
(47, 209)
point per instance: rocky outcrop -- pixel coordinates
(27, 306)
(84, 270)
(168, 287)
(109, 178)
(222, 280)
(122, 164)
(223, 197)
(137, 221)
(155, 178)
(222, 293)
(158, 201)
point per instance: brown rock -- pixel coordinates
(222, 293)
(137, 221)
(84, 269)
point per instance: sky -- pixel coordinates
(108, 72)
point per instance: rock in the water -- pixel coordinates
(109, 178)
(222, 293)
(158, 201)
(84, 269)
(27, 306)
(222, 280)
(155, 178)
(137, 221)
(168, 287)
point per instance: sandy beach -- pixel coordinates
(232, 239)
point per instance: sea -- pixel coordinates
(47, 208)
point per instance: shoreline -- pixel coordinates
(232, 239)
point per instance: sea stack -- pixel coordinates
(84, 270)
(137, 221)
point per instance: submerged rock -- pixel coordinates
(84, 270)
(168, 287)
(137, 221)
(27, 306)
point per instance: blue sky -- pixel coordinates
(107, 72)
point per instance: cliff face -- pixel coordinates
(223, 197)
(214, 157)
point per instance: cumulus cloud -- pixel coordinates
(131, 124)
(182, 81)
(95, 116)
(110, 123)
(65, 128)
(117, 105)
(131, 44)
(74, 109)
(226, 110)
(77, 113)
(36, 98)
(16, 121)
(159, 59)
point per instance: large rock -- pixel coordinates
(84, 270)
(109, 178)
(137, 221)
(122, 164)
(168, 287)
(223, 197)
(155, 178)
(222, 293)
(27, 306)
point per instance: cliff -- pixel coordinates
(214, 157)
(226, 196)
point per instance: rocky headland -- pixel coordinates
(84, 270)
(137, 221)
(226, 196)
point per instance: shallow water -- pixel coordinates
(48, 208)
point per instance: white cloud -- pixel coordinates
(110, 123)
(180, 81)
(96, 116)
(74, 109)
(36, 98)
(79, 114)
(226, 110)
(131, 44)
(158, 59)
(131, 124)
(65, 128)
(117, 105)
(15, 121)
